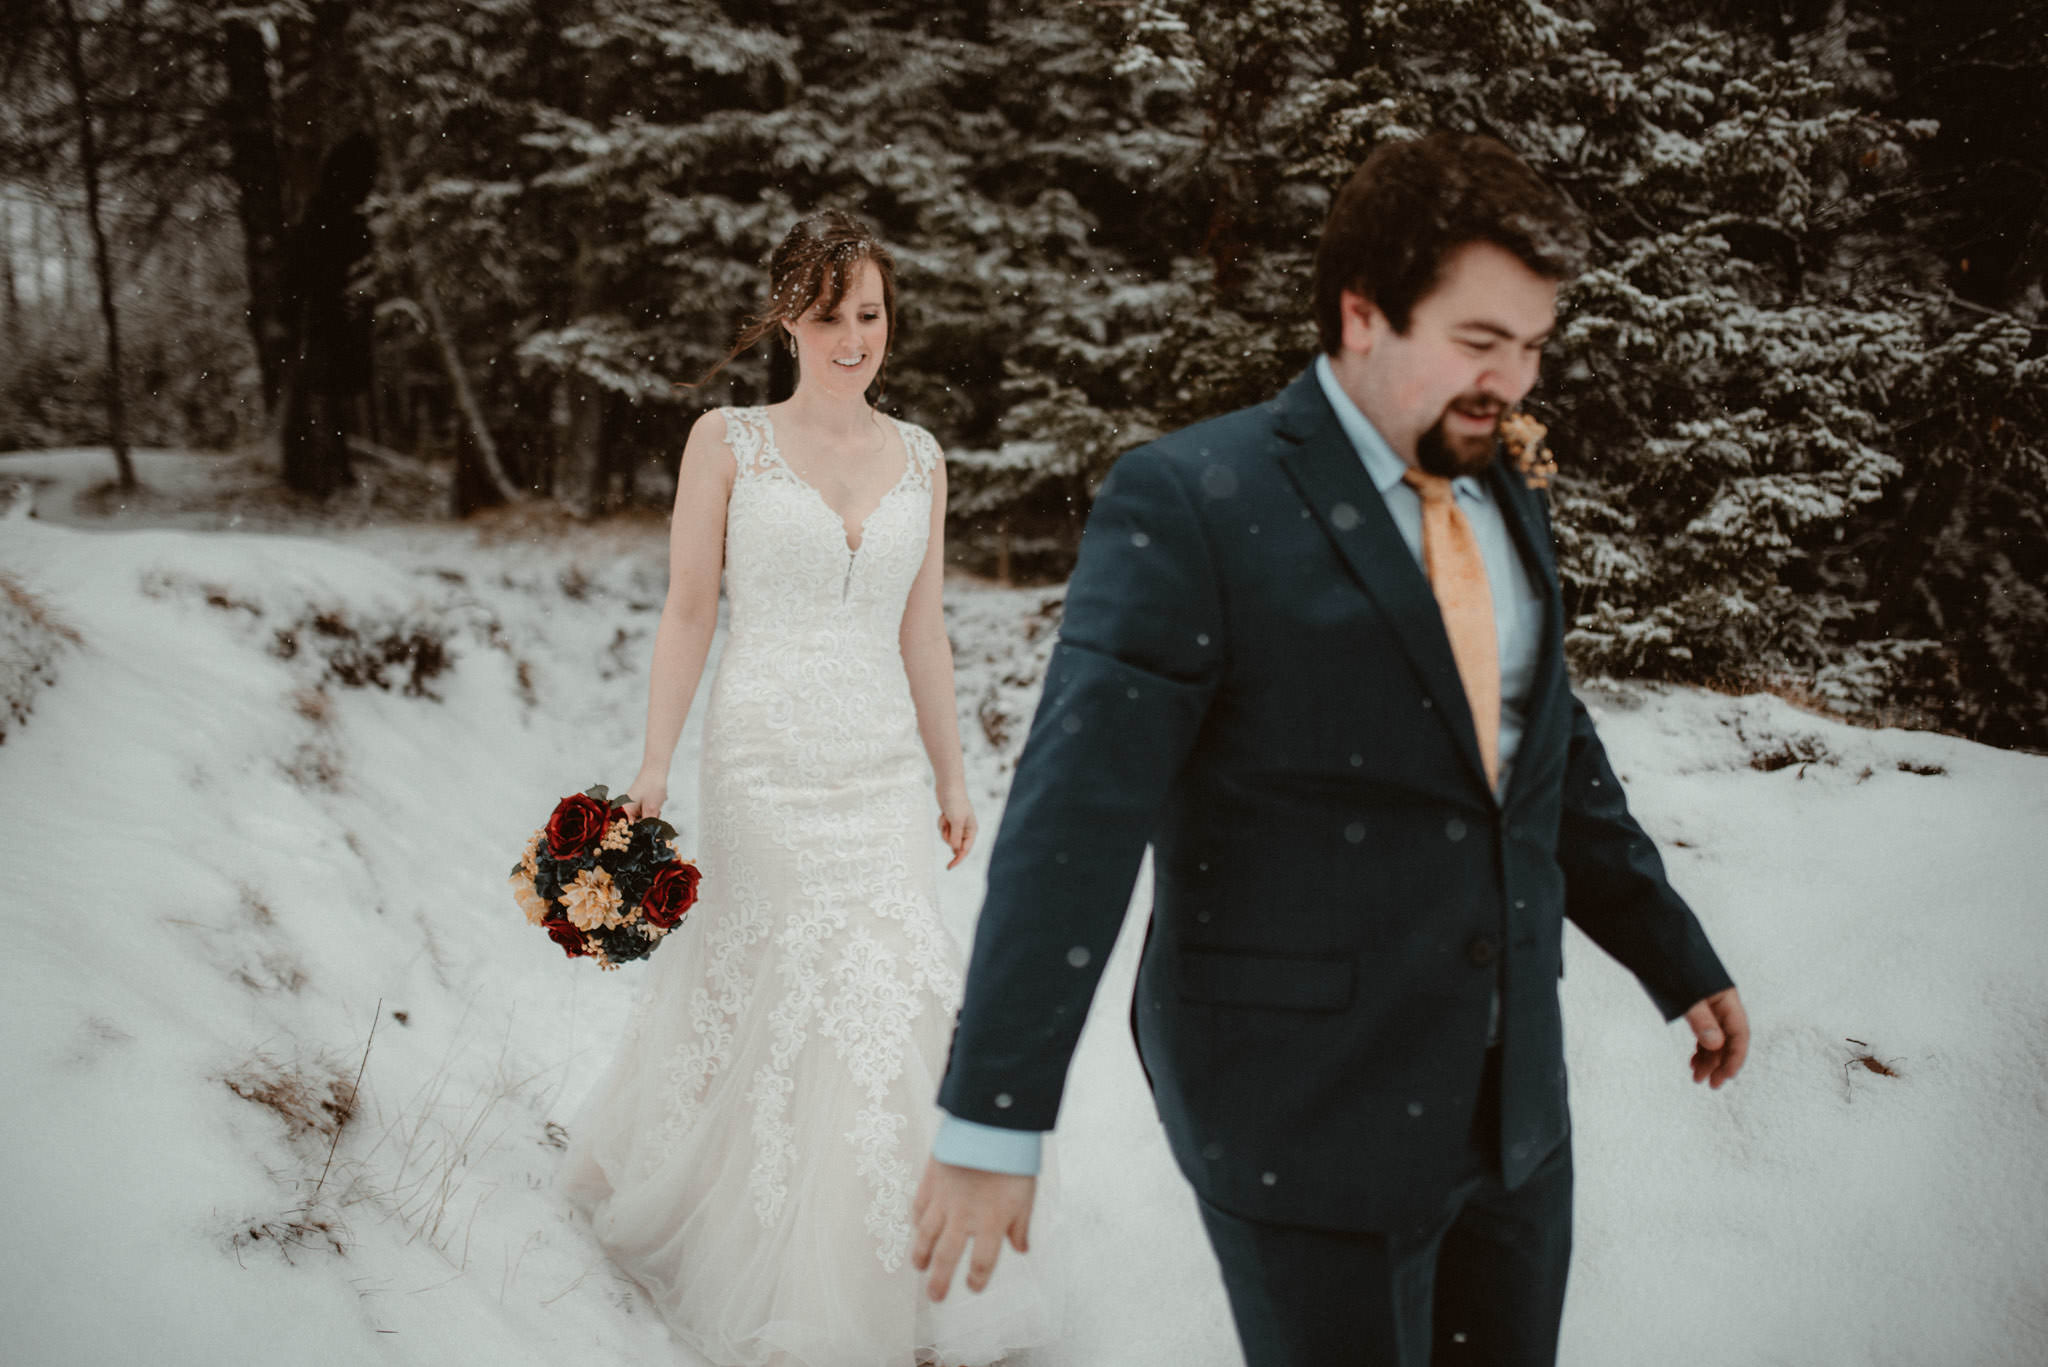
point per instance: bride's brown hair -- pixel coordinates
(812, 267)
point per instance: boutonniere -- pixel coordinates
(1522, 437)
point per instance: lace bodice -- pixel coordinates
(787, 564)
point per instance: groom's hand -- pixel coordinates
(1722, 1028)
(958, 1206)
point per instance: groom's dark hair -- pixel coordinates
(1412, 203)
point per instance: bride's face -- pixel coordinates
(841, 349)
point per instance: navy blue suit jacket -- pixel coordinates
(1253, 677)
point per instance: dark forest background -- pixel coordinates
(1799, 404)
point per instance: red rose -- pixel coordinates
(567, 936)
(577, 824)
(673, 892)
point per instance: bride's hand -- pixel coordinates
(956, 824)
(645, 797)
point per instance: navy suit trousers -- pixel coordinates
(1480, 1283)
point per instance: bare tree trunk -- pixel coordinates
(251, 119)
(103, 266)
(37, 255)
(576, 481)
(10, 294)
(67, 260)
(39, 252)
(419, 266)
(458, 380)
(324, 370)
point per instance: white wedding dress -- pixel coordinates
(751, 1154)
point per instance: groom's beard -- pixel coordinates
(1440, 453)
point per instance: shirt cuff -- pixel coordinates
(966, 1144)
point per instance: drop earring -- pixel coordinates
(788, 342)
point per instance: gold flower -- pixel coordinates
(618, 836)
(592, 900)
(1522, 436)
(529, 901)
(530, 861)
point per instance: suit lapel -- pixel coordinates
(1320, 459)
(1530, 530)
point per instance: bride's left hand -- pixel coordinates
(956, 824)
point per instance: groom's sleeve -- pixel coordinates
(1614, 884)
(1615, 887)
(1141, 648)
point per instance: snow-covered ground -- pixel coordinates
(232, 858)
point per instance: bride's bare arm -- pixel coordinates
(928, 660)
(689, 615)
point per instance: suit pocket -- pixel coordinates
(1295, 982)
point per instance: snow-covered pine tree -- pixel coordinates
(1740, 380)
(1175, 292)
(1958, 550)
(544, 159)
(1788, 457)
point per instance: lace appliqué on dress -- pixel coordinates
(813, 674)
(749, 1157)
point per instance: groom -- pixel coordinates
(1312, 654)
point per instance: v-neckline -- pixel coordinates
(846, 534)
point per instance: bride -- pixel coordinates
(749, 1157)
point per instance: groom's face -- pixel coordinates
(1438, 391)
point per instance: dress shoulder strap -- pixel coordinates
(921, 448)
(750, 439)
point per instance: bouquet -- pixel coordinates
(601, 886)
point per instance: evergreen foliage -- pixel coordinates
(176, 278)
(1797, 400)
(1752, 383)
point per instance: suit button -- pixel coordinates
(1482, 950)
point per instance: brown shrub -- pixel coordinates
(312, 1096)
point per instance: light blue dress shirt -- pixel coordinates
(1517, 602)
(1518, 629)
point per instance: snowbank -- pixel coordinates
(265, 800)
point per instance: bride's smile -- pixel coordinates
(840, 343)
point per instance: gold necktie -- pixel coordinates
(1457, 574)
